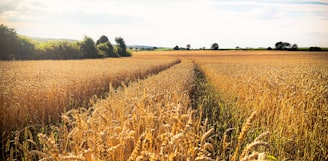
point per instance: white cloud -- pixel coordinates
(174, 22)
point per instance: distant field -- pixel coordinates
(213, 105)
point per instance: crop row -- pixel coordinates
(290, 96)
(127, 124)
(192, 111)
(37, 92)
(150, 119)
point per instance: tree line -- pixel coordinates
(277, 46)
(292, 47)
(214, 46)
(285, 46)
(17, 47)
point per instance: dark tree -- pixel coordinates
(121, 47)
(188, 46)
(279, 45)
(88, 48)
(315, 48)
(269, 48)
(294, 47)
(13, 46)
(176, 47)
(102, 39)
(24, 49)
(215, 46)
(286, 45)
(8, 40)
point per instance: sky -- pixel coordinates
(166, 23)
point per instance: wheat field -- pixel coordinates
(197, 105)
(149, 119)
(289, 92)
(37, 92)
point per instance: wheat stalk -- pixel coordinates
(246, 127)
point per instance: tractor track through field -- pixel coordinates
(176, 107)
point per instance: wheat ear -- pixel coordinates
(253, 145)
(137, 149)
(243, 133)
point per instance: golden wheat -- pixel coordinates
(158, 118)
(287, 89)
(125, 125)
(37, 92)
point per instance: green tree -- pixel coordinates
(215, 46)
(110, 51)
(8, 39)
(121, 47)
(105, 47)
(102, 39)
(25, 48)
(88, 48)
